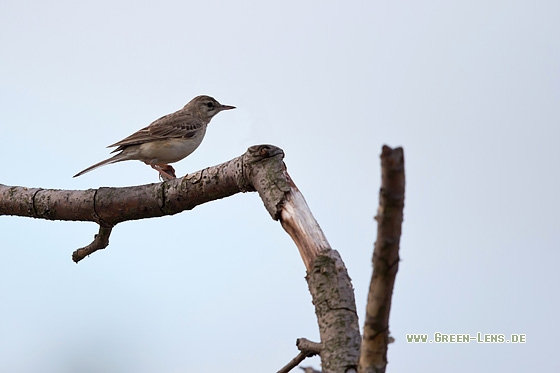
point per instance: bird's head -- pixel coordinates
(206, 107)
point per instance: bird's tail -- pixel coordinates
(114, 159)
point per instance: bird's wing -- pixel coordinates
(175, 125)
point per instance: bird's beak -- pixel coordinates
(227, 107)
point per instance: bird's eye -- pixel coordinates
(210, 105)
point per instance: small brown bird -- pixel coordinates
(168, 139)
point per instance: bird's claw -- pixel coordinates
(166, 172)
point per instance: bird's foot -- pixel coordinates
(166, 172)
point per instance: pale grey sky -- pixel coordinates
(471, 90)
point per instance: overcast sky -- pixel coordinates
(470, 89)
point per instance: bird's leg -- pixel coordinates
(166, 172)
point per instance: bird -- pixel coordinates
(167, 139)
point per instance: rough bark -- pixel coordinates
(335, 307)
(373, 356)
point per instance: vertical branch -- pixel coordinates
(329, 284)
(373, 355)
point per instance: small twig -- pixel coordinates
(307, 349)
(293, 363)
(100, 241)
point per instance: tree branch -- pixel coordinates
(298, 221)
(373, 356)
(100, 241)
(110, 206)
(329, 285)
(307, 349)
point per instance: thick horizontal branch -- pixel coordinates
(110, 206)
